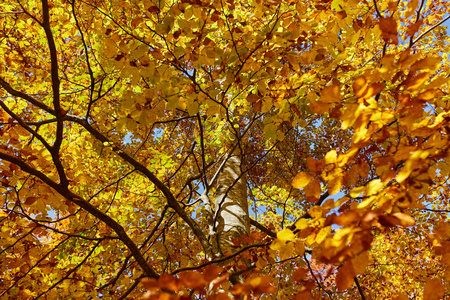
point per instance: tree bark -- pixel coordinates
(231, 218)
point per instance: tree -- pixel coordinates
(219, 148)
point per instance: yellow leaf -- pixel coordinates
(277, 244)
(360, 86)
(433, 290)
(286, 251)
(301, 224)
(334, 185)
(301, 180)
(331, 157)
(285, 235)
(405, 172)
(323, 234)
(428, 63)
(374, 187)
(357, 191)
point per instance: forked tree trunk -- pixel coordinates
(231, 218)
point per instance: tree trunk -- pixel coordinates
(231, 218)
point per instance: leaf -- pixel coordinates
(193, 279)
(388, 27)
(413, 83)
(299, 274)
(299, 247)
(334, 185)
(319, 107)
(345, 277)
(30, 200)
(330, 157)
(360, 262)
(286, 235)
(169, 282)
(252, 98)
(302, 179)
(404, 219)
(313, 190)
(330, 94)
(433, 290)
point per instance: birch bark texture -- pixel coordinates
(231, 219)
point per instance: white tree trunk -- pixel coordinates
(231, 207)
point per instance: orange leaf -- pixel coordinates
(169, 282)
(413, 28)
(330, 94)
(311, 163)
(360, 262)
(319, 107)
(150, 283)
(428, 63)
(415, 82)
(360, 86)
(299, 274)
(433, 290)
(211, 272)
(313, 190)
(193, 279)
(388, 28)
(345, 277)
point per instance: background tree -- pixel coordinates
(218, 149)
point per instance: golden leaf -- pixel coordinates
(285, 235)
(331, 157)
(301, 180)
(335, 184)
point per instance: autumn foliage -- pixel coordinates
(220, 149)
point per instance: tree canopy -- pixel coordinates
(220, 149)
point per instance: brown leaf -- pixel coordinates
(30, 200)
(252, 98)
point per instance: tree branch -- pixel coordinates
(78, 200)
